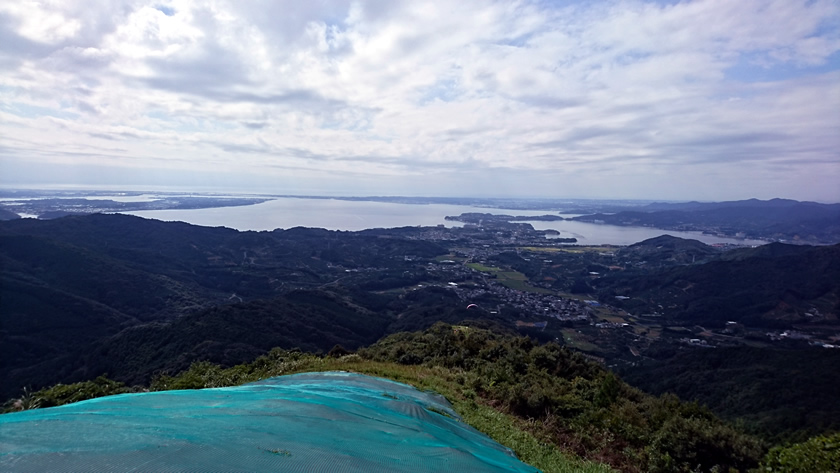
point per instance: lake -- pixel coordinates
(348, 215)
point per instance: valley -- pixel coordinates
(134, 298)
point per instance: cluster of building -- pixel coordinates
(544, 305)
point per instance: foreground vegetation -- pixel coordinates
(555, 409)
(780, 395)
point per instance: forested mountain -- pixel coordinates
(69, 286)
(774, 285)
(79, 282)
(140, 300)
(669, 250)
(780, 394)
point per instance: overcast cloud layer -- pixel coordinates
(708, 100)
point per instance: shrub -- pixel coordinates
(817, 454)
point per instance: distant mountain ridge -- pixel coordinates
(776, 219)
(755, 203)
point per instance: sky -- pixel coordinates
(692, 100)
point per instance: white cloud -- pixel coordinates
(518, 92)
(42, 21)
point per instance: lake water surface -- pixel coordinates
(361, 215)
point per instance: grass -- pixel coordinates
(542, 249)
(503, 428)
(483, 268)
(642, 329)
(449, 257)
(578, 341)
(611, 318)
(577, 297)
(523, 286)
(511, 279)
(571, 249)
(525, 438)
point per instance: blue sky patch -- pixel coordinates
(749, 69)
(168, 11)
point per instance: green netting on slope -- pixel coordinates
(332, 422)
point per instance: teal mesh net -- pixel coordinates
(331, 422)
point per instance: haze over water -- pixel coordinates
(361, 215)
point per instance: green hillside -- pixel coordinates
(772, 286)
(557, 410)
(780, 395)
(141, 301)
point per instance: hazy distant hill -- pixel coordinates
(93, 276)
(770, 286)
(771, 250)
(749, 203)
(176, 293)
(776, 219)
(667, 249)
(8, 215)
(235, 333)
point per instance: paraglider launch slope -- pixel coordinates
(333, 421)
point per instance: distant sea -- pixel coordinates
(348, 215)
